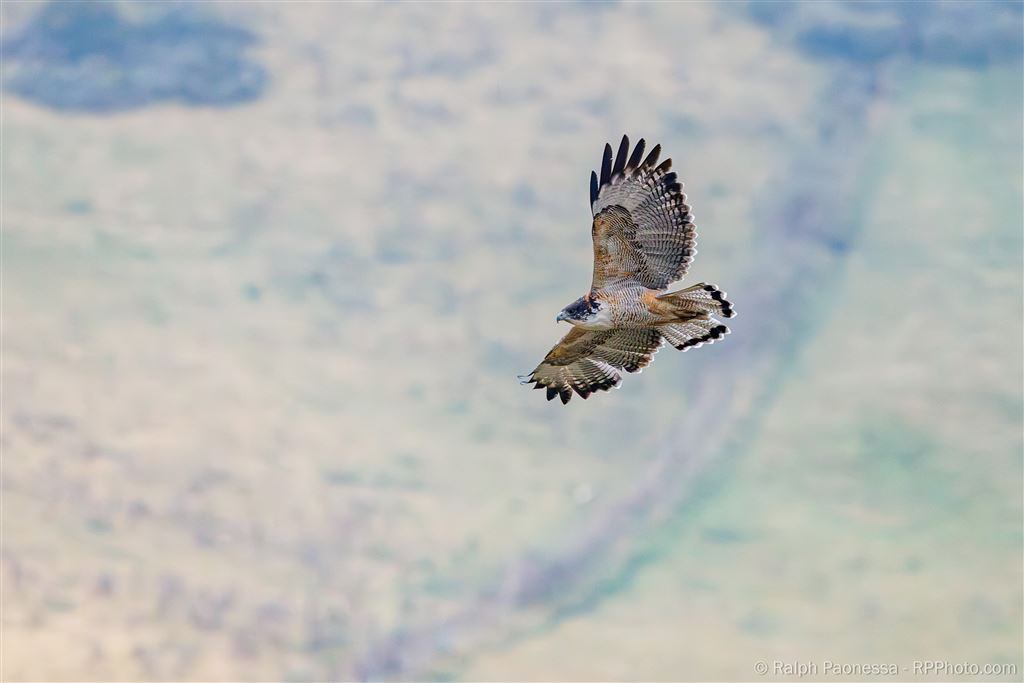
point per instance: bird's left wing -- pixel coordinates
(643, 229)
(586, 361)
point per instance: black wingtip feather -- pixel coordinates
(594, 187)
(620, 157)
(565, 395)
(638, 154)
(606, 164)
(664, 166)
(552, 392)
(652, 158)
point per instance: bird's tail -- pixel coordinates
(700, 299)
(697, 307)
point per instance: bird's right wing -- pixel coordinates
(643, 230)
(586, 361)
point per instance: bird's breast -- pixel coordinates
(602, 320)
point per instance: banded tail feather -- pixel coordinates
(693, 333)
(701, 299)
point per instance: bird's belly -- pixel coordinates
(630, 309)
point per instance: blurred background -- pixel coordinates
(270, 270)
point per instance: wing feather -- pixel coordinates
(606, 164)
(652, 158)
(620, 157)
(638, 154)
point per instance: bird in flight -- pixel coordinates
(644, 241)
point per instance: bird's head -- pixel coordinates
(588, 311)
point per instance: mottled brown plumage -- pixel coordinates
(644, 240)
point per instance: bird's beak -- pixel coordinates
(560, 317)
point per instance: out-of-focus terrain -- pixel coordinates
(270, 270)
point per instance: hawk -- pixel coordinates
(644, 241)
